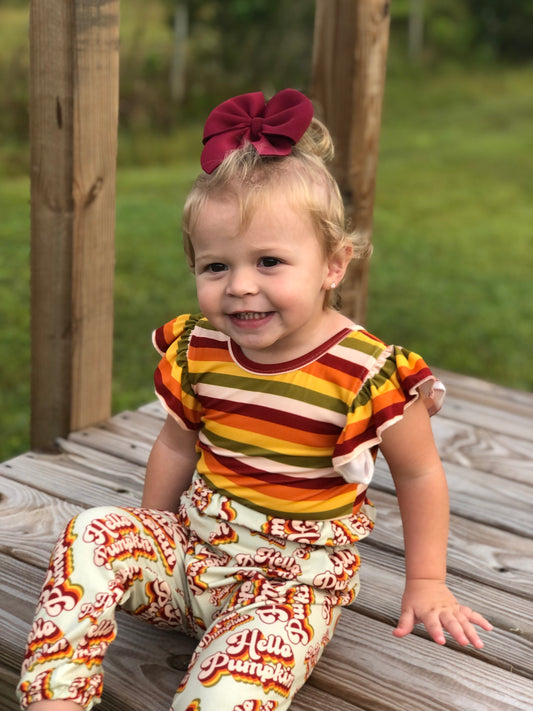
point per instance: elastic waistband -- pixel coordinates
(209, 504)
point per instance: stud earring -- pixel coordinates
(332, 285)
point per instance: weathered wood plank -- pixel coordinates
(490, 418)
(74, 114)
(478, 448)
(382, 581)
(497, 397)
(509, 645)
(501, 649)
(137, 423)
(11, 537)
(103, 438)
(30, 521)
(380, 674)
(495, 556)
(76, 481)
(478, 496)
(484, 553)
(154, 409)
(472, 446)
(79, 452)
(116, 698)
(93, 477)
(8, 682)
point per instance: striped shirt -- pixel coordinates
(295, 439)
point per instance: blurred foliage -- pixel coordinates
(232, 47)
(505, 26)
(235, 46)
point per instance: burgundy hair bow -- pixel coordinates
(272, 127)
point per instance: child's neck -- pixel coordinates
(332, 323)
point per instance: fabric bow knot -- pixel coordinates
(272, 127)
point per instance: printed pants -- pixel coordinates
(261, 594)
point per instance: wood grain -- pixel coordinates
(419, 674)
(73, 116)
(348, 80)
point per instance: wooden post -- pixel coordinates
(349, 63)
(73, 129)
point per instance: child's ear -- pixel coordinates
(337, 265)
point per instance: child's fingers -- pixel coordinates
(460, 629)
(477, 619)
(433, 624)
(405, 624)
(460, 624)
(458, 621)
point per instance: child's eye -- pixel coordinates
(215, 267)
(269, 262)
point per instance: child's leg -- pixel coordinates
(270, 592)
(105, 557)
(257, 657)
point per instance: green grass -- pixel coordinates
(453, 261)
(14, 315)
(152, 282)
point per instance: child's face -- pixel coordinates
(263, 284)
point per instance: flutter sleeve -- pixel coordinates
(397, 378)
(171, 377)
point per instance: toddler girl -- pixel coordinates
(255, 491)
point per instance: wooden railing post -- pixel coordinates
(73, 129)
(349, 63)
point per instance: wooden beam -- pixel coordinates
(73, 128)
(349, 63)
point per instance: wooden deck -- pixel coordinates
(485, 436)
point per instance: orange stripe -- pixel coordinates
(277, 499)
(248, 486)
(345, 380)
(202, 354)
(295, 436)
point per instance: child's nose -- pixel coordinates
(241, 282)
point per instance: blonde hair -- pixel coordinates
(302, 177)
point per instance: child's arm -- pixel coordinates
(420, 482)
(170, 467)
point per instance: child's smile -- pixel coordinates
(264, 284)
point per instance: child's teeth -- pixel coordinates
(249, 315)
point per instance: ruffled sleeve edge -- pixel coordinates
(429, 388)
(157, 342)
(191, 427)
(174, 334)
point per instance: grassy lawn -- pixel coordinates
(453, 261)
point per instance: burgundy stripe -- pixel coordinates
(236, 466)
(160, 340)
(288, 365)
(349, 445)
(172, 402)
(206, 342)
(271, 415)
(344, 366)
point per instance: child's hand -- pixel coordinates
(431, 603)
